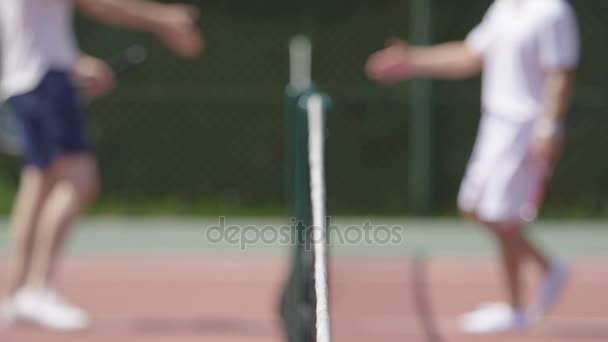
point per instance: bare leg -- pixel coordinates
(534, 252)
(509, 241)
(33, 191)
(513, 247)
(74, 190)
(555, 275)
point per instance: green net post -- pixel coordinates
(299, 212)
(421, 116)
(298, 300)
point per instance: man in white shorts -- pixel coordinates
(528, 51)
(43, 74)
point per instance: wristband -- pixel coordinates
(549, 128)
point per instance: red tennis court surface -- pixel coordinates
(211, 299)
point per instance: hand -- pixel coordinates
(93, 77)
(547, 143)
(178, 30)
(390, 65)
(547, 149)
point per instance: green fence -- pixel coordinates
(209, 136)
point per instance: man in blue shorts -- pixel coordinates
(43, 75)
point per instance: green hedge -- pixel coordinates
(209, 136)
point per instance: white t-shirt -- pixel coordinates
(520, 41)
(35, 36)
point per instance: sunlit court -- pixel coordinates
(407, 171)
(160, 279)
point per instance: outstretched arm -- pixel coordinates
(135, 14)
(399, 62)
(173, 23)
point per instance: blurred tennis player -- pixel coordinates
(528, 51)
(41, 71)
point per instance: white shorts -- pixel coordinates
(503, 183)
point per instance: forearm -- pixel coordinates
(452, 60)
(549, 128)
(558, 92)
(135, 14)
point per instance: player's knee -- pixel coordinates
(80, 174)
(89, 189)
(85, 188)
(87, 185)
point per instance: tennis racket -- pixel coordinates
(10, 137)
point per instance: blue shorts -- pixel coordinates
(51, 120)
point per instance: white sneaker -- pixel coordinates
(493, 319)
(485, 308)
(49, 310)
(551, 288)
